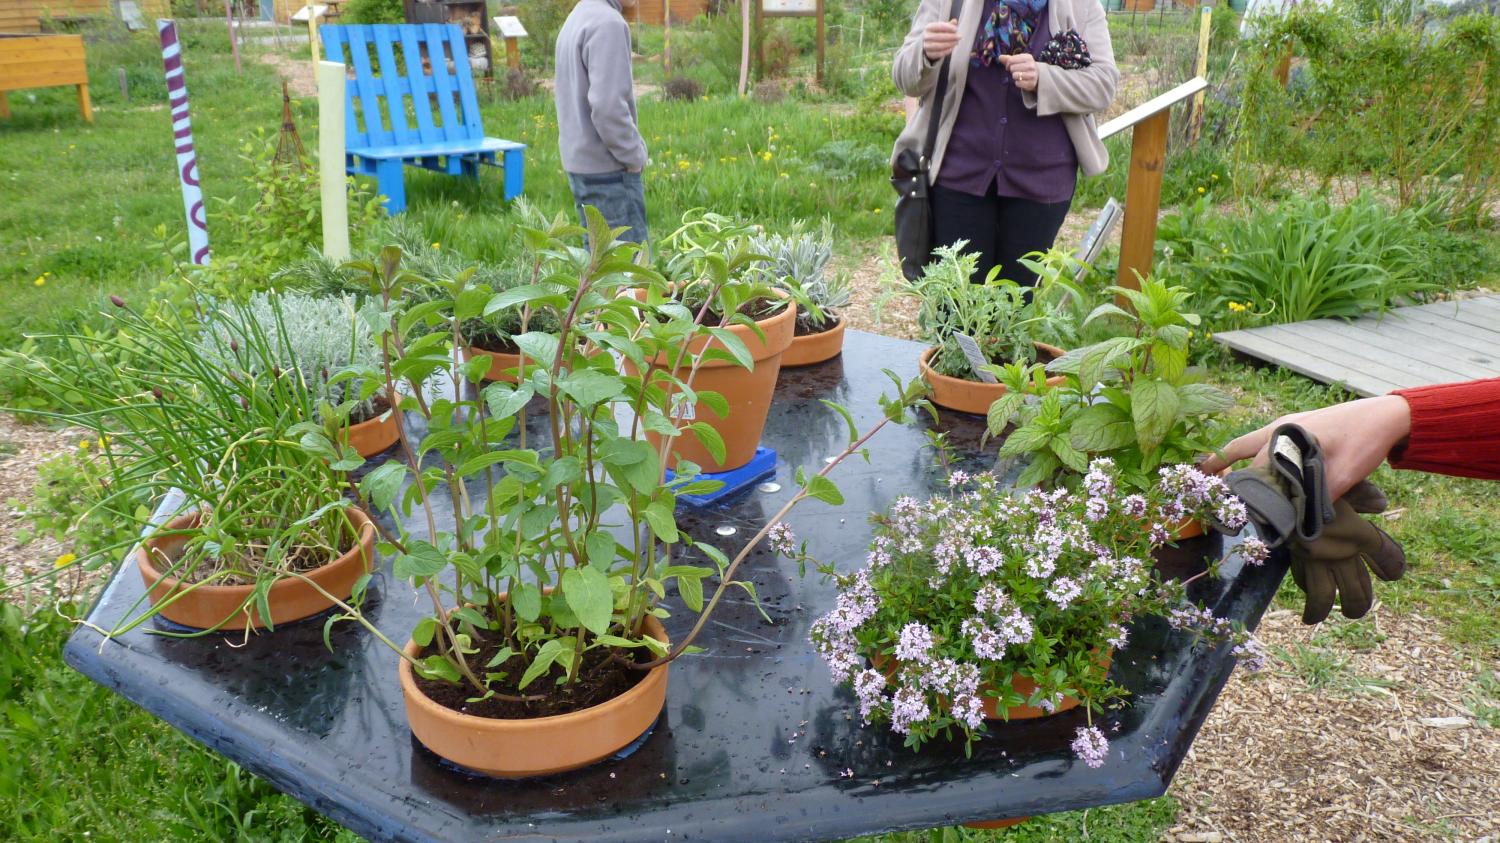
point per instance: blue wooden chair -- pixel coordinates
(435, 91)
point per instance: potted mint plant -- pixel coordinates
(545, 564)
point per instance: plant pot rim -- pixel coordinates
(927, 370)
(811, 349)
(502, 725)
(364, 526)
(773, 327)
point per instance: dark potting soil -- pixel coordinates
(381, 406)
(600, 679)
(805, 327)
(757, 310)
(496, 346)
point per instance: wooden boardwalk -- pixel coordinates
(1408, 346)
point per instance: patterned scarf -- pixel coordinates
(1007, 31)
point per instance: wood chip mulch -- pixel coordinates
(22, 448)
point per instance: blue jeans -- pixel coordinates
(619, 196)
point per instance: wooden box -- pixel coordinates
(43, 61)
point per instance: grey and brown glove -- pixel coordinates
(1335, 564)
(1329, 543)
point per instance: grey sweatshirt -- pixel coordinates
(596, 122)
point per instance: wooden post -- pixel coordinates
(331, 177)
(821, 37)
(1148, 155)
(666, 38)
(745, 40)
(759, 36)
(312, 35)
(1284, 68)
(124, 83)
(85, 107)
(1205, 23)
(234, 42)
(513, 53)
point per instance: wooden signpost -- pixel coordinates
(790, 9)
(512, 31)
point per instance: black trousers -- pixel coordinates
(1001, 229)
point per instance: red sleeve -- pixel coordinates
(1455, 429)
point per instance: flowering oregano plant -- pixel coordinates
(984, 599)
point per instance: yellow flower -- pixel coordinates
(1200, 188)
(84, 445)
(103, 440)
(785, 176)
(65, 560)
(1214, 176)
(437, 245)
(765, 156)
(1236, 307)
(877, 210)
(684, 164)
(40, 280)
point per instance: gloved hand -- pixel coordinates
(1288, 496)
(1333, 564)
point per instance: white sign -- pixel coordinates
(789, 7)
(510, 27)
(302, 13)
(976, 358)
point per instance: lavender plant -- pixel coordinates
(983, 599)
(798, 259)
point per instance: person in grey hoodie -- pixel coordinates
(602, 148)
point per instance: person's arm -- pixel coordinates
(1084, 90)
(913, 71)
(1455, 429)
(606, 58)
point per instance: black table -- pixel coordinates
(755, 744)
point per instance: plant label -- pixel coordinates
(975, 357)
(510, 27)
(1098, 233)
(773, 8)
(686, 410)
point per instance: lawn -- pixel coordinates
(89, 210)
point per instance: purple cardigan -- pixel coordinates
(998, 142)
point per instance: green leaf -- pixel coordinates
(505, 401)
(1024, 440)
(823, 489)
(420, 560)
(538, 346)
(383, 484)
(662, 519)
(502, 656)
(437, 667)
(587, 593)
(589, 387)
(472, 616)
(1100, 428)
(514, 296)
(543, 662)
(1168, 363)
(710, 439)
(1153, 407)
(691, 589)
(847, 417)
(424, 631)
(562, 470)
(1200, 399)
(1002, 411)
(526, 598)
(1070, 456)
(735, 346)
(600, 547)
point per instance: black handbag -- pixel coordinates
(909, 171)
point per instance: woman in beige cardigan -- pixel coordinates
(1017, 124)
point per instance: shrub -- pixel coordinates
(682, 88)
(1302, 259)
(373, 11)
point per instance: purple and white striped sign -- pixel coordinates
(182, 134)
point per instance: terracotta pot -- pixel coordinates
(373, 436)
(1025, 687)
(815, 348)
(502, 363)
(218, 606)
(968, 396)
(536, 746)
(747, 391)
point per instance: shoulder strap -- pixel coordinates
(941, 93)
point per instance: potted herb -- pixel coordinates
(987, 605)
(1132, 398)
(712, 273)
(263, 534)
(316, 337)
(546, 563)
(799, 260)
(1007, 321)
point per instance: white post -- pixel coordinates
(331, 160)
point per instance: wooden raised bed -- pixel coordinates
(21, 16)
(43, 61)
